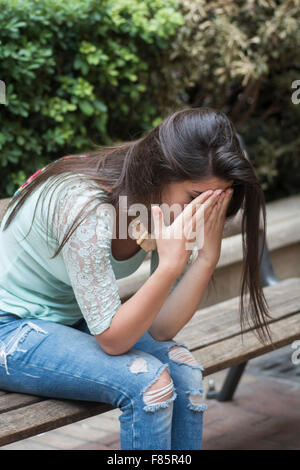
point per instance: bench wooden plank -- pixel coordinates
(236, 350)
(45, 416)
(12, 401)
(220, 321)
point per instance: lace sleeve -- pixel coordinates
(86, 256)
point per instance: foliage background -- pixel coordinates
(81, 72)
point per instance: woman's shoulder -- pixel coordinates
(75, 186)
(80, 196)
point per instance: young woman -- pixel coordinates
(64, 332)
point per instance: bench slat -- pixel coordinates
(234, 351)
(12, 401)
(214, 323)
(45, 416)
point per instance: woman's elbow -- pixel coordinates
(108, 344)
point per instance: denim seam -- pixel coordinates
(67, 375)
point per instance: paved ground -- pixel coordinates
(265, 414)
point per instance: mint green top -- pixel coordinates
(81, 279)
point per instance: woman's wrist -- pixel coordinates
(201, 263)
(169, 270)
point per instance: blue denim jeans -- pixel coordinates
(44, 358)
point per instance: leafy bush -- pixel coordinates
(79, 72)
(76, 72)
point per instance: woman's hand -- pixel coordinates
(214, 220)
(175, 241)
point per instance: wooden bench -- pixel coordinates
(213, 335)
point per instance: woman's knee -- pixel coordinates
(161, 390)
(182, 354)
(188, 378)
(154, 378)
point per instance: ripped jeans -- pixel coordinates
(157, 384)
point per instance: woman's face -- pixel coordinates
(184, 192)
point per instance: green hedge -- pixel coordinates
(87, 71)
(76, 72)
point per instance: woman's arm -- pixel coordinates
(135, 316)
(182, 302)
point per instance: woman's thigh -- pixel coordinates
(50, 359)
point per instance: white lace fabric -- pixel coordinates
(86, 253)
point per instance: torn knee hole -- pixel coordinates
(12, 345)
(139, 364)
(160, 391)
(196, 399)
(182, 354)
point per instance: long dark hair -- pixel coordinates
(190, 144)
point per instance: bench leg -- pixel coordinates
(230, 384)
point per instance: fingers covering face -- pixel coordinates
(223, 202)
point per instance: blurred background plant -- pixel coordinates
(81, 72)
